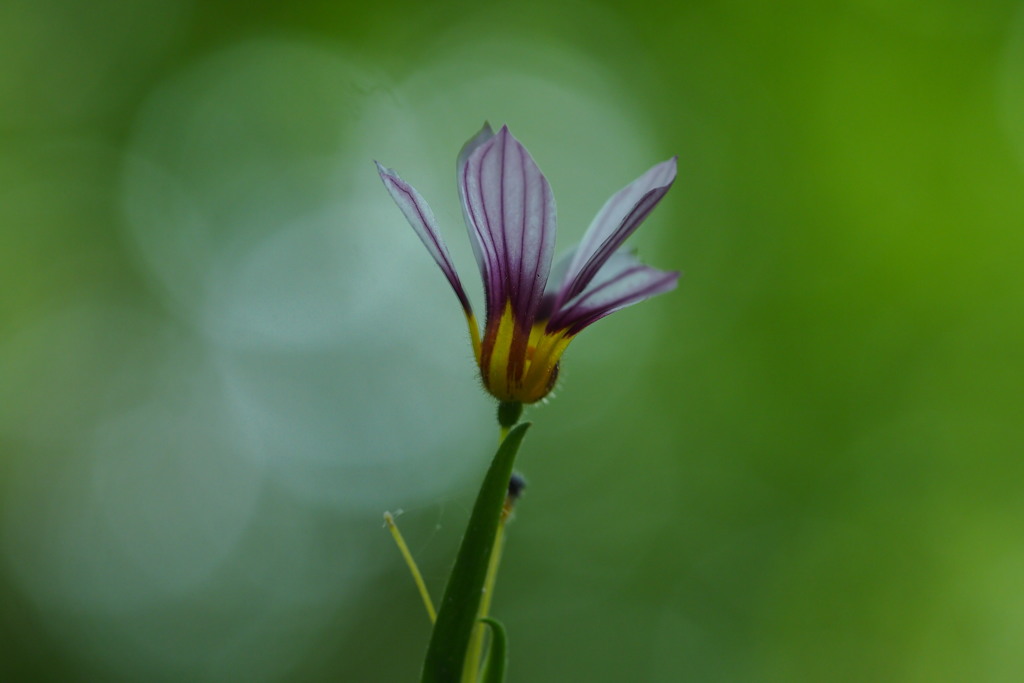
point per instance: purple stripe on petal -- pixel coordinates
(483, 135)
(511, 215)
(623, 281)
(618, 218)
(480, 138)
(421, 218)
(555, 279)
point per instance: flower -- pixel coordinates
(533, 310)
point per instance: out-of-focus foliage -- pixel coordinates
(223, 354)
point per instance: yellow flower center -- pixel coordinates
(517, 365)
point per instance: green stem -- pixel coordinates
(460, 605)
(476, 642)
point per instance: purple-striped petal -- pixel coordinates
(555, 279)
(421, 218)
(480, 138)
(617, 219)
(511, 218)
(623, 281)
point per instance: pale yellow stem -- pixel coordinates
(492, 572)
(416, 576)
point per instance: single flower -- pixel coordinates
(533, 310)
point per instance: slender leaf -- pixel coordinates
(497, 656)
(461, 602)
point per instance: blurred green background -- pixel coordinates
(223, 353)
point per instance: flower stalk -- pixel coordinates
(460, 606)
(516, 485)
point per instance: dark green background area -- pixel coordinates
(803, 465)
